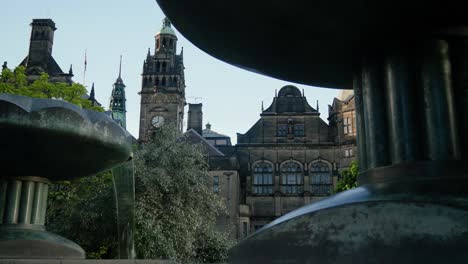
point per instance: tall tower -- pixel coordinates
(41, 42)
(40, 58)
(163, 85)
(117, 102)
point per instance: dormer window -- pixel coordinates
(298, 130)
(281, 130)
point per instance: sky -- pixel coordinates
(106, 29)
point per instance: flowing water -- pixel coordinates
(124, 188)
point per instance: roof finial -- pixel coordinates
(182, 52)
(120, 67)
(91, 95)
(303, 92)
(4, 66)
(166, 22)
(262, 106)
(208, 125)
(148, 52)
(70, 71)
(276, 92)
(317, 106)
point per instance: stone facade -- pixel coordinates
(163, 85)
(289, 158)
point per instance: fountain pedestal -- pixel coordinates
(42, 141)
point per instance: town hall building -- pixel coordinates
(289, 158)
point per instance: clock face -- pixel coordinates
(157, 121)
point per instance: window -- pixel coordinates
(347, 125)
(282, 130)
(164, 66)
(158, 66)
(263, 178)
(348, 153)
(299, 130)
(320, 178)
(216, 184)
(291, 178)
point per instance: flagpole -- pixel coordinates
(84, 71)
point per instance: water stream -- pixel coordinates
(124, 188)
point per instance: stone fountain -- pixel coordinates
(42, 141)
(407, 62)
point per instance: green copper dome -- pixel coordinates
(166, 28)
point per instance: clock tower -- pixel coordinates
(163, 85)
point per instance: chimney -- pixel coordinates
(41, 42)
(195, 118)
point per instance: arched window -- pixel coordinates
(174, 81)
(156, 81)
(145, 80)
(291, 178)
(158, 66)
(320, 178)
(163, 81)
(164, 66)
(263, 178)
(170, 43)
(164, 42)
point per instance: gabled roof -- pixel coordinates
(52, 67)
(193, 137)
(289, 100)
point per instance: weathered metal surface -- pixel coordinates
(17, 242)
(309, 42)
(59, 134)
(369, 224)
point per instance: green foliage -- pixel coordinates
(348, 178)
(15, 82)
(83, 210)
(175, 208)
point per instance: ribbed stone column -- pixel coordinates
(23, 202)
(407, 111)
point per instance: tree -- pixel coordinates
(175, 208)
(348, 178)
(15, 82)
(83, 210)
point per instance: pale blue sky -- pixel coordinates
(231, 96)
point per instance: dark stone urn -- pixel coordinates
(42, 141)
(407, 62)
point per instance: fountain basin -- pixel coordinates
(58, 140)
(309, 42)
(45, 140)
(423, 221)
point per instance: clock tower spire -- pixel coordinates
(163, 85)
(117, 102)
